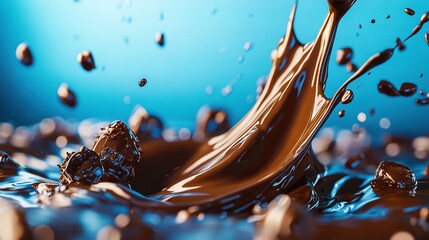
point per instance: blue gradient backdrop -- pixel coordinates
(204, 39)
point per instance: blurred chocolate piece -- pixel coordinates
(67, 96)
(86, 60)
(145, 126)
(392, 177)
(350, 67)
(23, 54)
(160, 39)
(344, 55)
(142, 82)
(210, 123)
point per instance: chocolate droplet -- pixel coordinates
(409, 11)
(344, 55)
(66, 95)
(160, 39)
(86, 60)
(387, 88)
(408, 89)
(341, 113)
(23, 54)
(347, 97)
(142, 82)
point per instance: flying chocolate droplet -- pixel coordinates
(142, 82)
(409, 11)
(86, 60)
(66, 95)
(23, 54)
(344, 55)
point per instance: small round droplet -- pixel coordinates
(347, 97)
(142, 82)
(66, 95)
(160, 39)
(409, 11)
(86, 60)
(344, 55)
(341, 113)
(372, 20)
(23, 54)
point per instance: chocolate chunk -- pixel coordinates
(145, 126)
(160, 39)
(142, 82)
(391, 177)
(344, 55)
(118, 148)
(67, 96)
(23, 54)
(82, 167)
(86, 60)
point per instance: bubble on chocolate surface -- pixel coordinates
(66, 95)
(86, 60)
(392, 177)
(23, 54)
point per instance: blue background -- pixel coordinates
(204, 39)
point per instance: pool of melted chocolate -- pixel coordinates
(259, 179)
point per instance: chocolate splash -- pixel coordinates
(267, 154)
